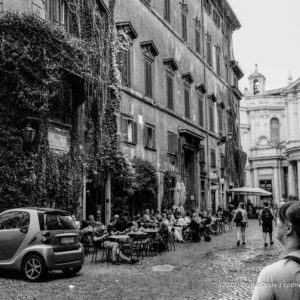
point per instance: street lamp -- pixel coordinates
(28, 134)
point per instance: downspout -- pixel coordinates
(207, 195)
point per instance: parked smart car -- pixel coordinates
(37, 240)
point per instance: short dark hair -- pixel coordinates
(242, 205)
(290, 211)
(266, 204)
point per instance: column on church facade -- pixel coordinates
(291, 179)
(298, 177)
(276, 186)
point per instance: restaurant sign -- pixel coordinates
(266, 185)
(59, 139)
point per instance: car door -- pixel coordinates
(10, 235)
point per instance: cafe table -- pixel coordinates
(119, 238)
(137, 234)
(150, 231)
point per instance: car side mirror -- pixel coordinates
(24, 229)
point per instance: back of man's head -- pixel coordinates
(266, 204)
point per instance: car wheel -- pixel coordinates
(71, 271)
(34, 268)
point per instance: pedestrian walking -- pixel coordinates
(266, 218)
(240, 219)
(280, 280)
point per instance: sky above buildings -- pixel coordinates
(269, 37)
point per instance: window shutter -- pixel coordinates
(201, 115)
(197, 40)
(187, 103)
(202, 154)
(125, 129)
(153, 138)
(170, 92)
(179, 154)
(172, 143)
(184, 26)
(148, 78)
(146, 139)
(134, 133)
(211, 118)
(128, 69)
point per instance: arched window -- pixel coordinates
(256, 84)
(274, 127)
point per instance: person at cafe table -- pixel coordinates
(99, 236)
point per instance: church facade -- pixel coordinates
(271, 138)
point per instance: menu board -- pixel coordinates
(266, 185)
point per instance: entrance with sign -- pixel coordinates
(266, 185)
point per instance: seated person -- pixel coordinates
(208, 223)
(92, 222)
(99, 236)
(177, 230)
(122, 224)
(163, 231)
(148, 222)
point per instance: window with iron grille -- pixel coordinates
(129, 130)
(201, 111)
(170, 90)
(167, 15)
(211, 117)
(148, 77)
(213, 158)
(125, 66)
(150, 138)
(187, 112)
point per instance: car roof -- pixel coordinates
(41, 209)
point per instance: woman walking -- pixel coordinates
(240, 219)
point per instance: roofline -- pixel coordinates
(43, 209)
(238, 23)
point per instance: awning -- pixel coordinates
(254, 191)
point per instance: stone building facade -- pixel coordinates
(180, 77)
(180, 80)
(270, 136)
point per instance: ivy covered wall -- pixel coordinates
(41, 67)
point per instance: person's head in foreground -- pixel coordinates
(280, 280)
(288, 225)
(242, 205)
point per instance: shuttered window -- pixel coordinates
(201, 112)
(202, 154)
(187, 112)
(213, 158)
(170, 100)
(172, 143)
(222, 165)
(220, 120)
(218, 62)
(167, 16)
(125, 61)
(129, 130)
(208, 52)
(150, 138)
(211, 118)
(148, 78)
(56, 11)
(184, 26)
(197, 40)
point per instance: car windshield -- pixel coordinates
(57, 221)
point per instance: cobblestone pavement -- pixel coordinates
(194, 271)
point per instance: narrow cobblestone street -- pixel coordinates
(200, 271)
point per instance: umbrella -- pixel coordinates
(176, 196)
(182, 193)
(250, 191)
